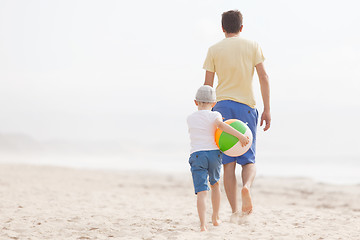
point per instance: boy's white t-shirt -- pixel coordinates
(202, 129)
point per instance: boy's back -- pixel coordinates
(233, 59)
(202, 129)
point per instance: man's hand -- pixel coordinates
(265, 93)
(265, 116)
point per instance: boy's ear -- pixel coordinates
(196, 103)
(223, 29)
(241, 28)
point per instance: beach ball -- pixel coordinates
(230, 144)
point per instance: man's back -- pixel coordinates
(234, 59)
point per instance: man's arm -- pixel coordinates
(265, 92)
(209, 78)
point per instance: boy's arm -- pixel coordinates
(209, 78)
(265, 93)
(230, 130)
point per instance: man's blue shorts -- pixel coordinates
(204, 163)
(235, 110)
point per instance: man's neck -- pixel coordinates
(230, 35)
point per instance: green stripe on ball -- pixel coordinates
(227, 140)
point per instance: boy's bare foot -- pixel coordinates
(203, 229)
(246, 200)
(216, 220)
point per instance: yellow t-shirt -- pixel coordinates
(234, 59)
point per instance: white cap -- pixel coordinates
(205, 94)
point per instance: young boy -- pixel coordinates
(205, 156)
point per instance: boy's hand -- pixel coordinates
(244, 140)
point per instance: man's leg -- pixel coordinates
(230, 185)
(248, 174)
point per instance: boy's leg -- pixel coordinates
(230, 184)
(215, 162)
(201, 207)
(248, 174)
(215, 200)
(199, 165)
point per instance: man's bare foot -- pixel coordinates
(246, 200)
(216, 220)
(203, 229)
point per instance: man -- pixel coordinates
(233, 60)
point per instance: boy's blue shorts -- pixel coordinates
(204, 163)
(235, 110)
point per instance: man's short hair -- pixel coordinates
(232, 21)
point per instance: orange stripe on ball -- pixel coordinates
(218, 133)
(230, 121)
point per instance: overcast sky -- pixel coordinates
(93, 70)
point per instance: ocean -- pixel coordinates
(326, 169)
(322, 148)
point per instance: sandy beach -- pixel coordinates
(41, 202)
